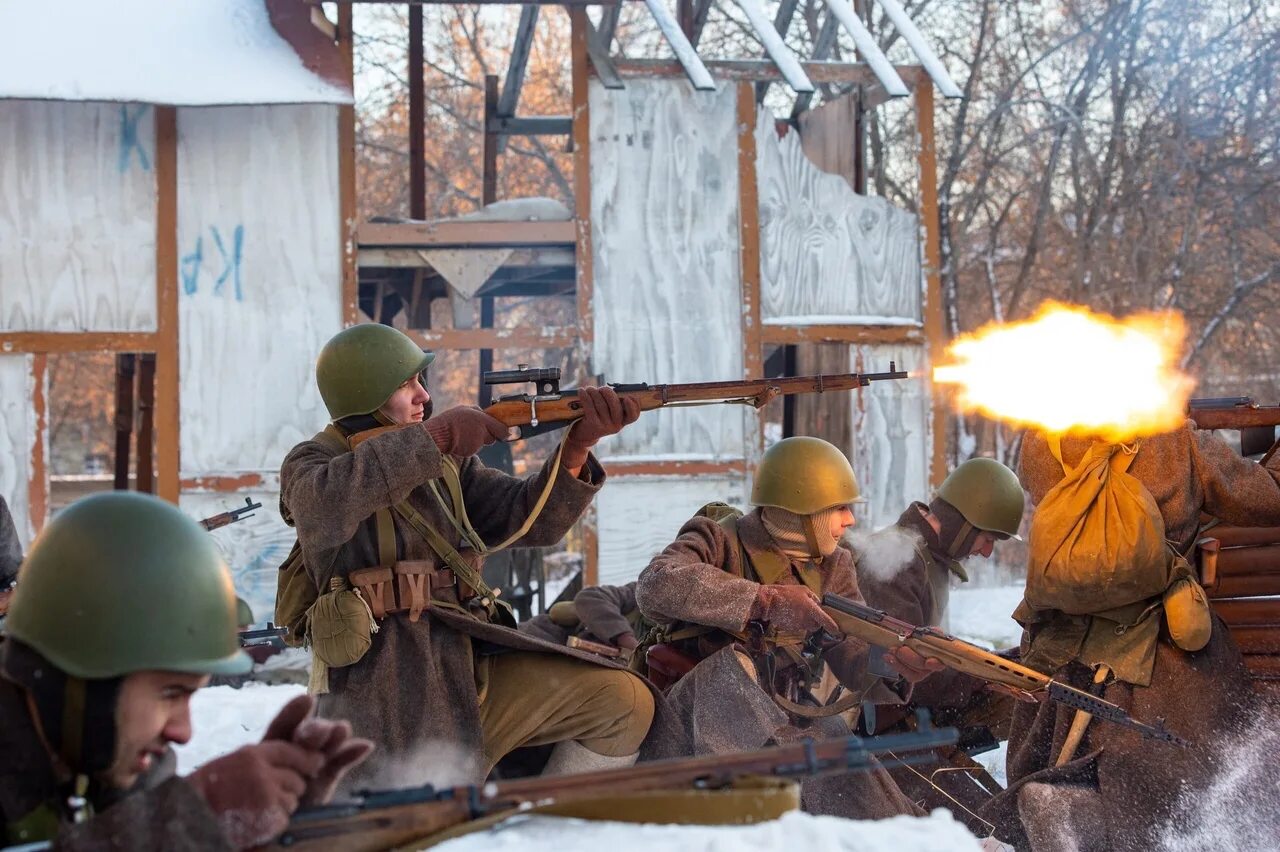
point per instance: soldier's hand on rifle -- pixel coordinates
(463, 430)
(253, 791)
(603, 413)
(329, 739)
(911, 665)
(791, 610)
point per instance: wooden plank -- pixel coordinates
(598, 49)
(1249, 611)
(58, 342)
(1258, 585)
(1243, 536)
(684, 467)
(489, 161)
(146, 478)
(779, 334)
(935, 331)
(437, 234)
(347, 215)
(168, 390)
(408, 258)
(771, 35)
(21, 440)
(828, 137)
(685, 53)
(749, 236)
(1245, 561)
(1257, 640)
(38, 481)
(823, 42)
(1264, 666)
(126, 372)
(828, 255)
(417, 118)
(855, 73)
(519, 61)
(579, 33)
(77, 217)
(495, 338)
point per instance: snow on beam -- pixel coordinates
(867, 46)
(155, 51)
(776, 47)
(914, 38)
(685, 52)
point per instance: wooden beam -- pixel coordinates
(489, 166)
(823, 43)
(126, 380)
(934, 328)
(782, 24)
(854, 334)
(757, 69)
(477, 234)
(598, 51)
(608, 25)
(545, 258)
(38, 484)
(581, 98)
(573, 4)
(350, 281)
(417, 118)
(528, 125)
(77, 341)
(494, 338)
(168, 461)
(701, 10)
(688, 467)
(749, 234)
(519, 60)
(145, 479)
(686, 55)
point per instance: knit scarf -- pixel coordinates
(801, 538)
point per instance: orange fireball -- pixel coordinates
(1068, 370)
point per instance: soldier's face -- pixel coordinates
(152, 711)
(983, 544)
(841, 521)
(408, 404)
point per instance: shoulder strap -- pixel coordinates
(761, 566)
(332, 439)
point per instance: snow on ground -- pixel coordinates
(792, 831)
(225, 719)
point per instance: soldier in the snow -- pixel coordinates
(394, 513)
(906, 570)
(124, 610)
(1162, 656)
(738, 599)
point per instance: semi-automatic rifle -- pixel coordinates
(549, 407)
(881, 629)
(222, 519)
(389, 819)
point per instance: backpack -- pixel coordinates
(1097, 539)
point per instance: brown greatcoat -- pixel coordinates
(604, 613)
(917, 594)
(1126, 789)
(415, 693)
(699, 579)
(161, 812)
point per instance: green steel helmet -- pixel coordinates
(244, 615)
(124, 582)
(360, 367)
(988, 494)
(805, 475)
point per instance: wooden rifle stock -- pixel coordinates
(879, 628)
(1233, 413)
(531, 410)
(385, 820)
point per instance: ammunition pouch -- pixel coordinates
(407, 586)
(667, 665)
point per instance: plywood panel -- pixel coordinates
(77, 217)
(827, 254)
(665, 244)
(18, 434)
(827, 135)
(638, 516)
(259, 280)
(891, 440)
(254, 547)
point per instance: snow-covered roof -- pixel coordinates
(176, 52)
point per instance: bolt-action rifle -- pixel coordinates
(881, 629)
(1257, 423)
(269, 635)
(222, 519)
(389, 819)
(549, 407)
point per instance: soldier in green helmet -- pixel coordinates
(124, 610)
(906, 570)
(738, 600)
(394, 513)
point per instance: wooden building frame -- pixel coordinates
(590, 58)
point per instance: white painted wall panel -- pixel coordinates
(77, 217)
(260, 279)
(637, 516)
(17, 439)
(254, 547)
(827, 254)
(667, 297)
(891, 440)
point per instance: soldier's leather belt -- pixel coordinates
(407, 586)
